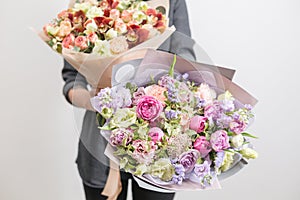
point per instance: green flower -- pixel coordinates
(162, 169)
(249, 153)
(140, 170)
(226, 96)
(106, 112)
(123, 118)
(228, 160)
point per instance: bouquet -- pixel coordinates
(90, 35)
(176, 130)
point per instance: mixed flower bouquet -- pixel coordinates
(174, 130)
(91, 34)
(105, 28)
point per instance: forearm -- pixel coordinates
(80, 97)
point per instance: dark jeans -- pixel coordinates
(138, 193)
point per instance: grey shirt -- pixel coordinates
(91, 161)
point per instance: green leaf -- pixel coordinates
(249, 135)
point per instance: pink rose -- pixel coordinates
(68, 41)
(156, 91)
(219, 140)
(156, 134)
(148, 108)
(92, 37)
(202, 145)
(81, 42)
(197, 123)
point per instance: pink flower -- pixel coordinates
(202, 145)
(237, 126)
(197, 123)
(120, 26)
(137, 95)
(144, 151)
(219, 140)
(157, 92)
(205, 93)
(68, 41)
(126, 16)
(65, 28)
(114, 13)
(156, 134)
(92, 37)
(81, 42)
(148, 108)
(120, 136)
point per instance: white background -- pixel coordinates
(38, 144)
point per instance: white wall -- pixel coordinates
(38, 134)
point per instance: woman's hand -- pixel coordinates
(80, 97)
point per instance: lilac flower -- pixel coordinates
(103, 99)
(179, 175)
(223, 121)
(166, 80)
(202, 170)
(171, 114)
(219, 159)
(227, 105)
(248, 107)
(121, 97)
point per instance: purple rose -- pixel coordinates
(202, 170)
(120, 135)
(219, 140)
(197, 123)
(156, 134)
(188, 160)
(213, 111)
(237, 126)
(148, 108)
(202, 145)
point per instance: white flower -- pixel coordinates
(91, 28)
(110, 34)
(102, 47)
(237, 140)
(94, 12)
(82, 6)
(52, 30)
(139, 16)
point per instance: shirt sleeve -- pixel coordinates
(72, 79)
(181, 18)
(181, 42)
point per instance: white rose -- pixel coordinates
(110, 34)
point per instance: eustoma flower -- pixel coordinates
(219, 140)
